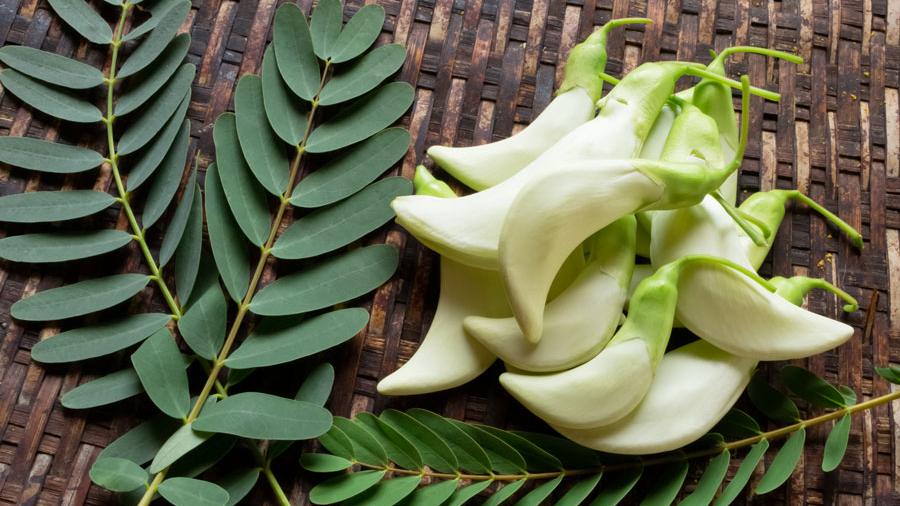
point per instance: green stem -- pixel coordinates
(774, 53)
(855, 237)
(265, 467)
(753, 230)
(706, 259)
(768, 95)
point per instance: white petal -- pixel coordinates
(598, 392)
(694, 387)
(656, 140)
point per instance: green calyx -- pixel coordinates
(794, 289)
(587, 60)
(426, 184)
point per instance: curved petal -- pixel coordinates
(680, 406)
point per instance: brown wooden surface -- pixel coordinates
(483, 69)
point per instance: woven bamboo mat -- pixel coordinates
(483, 69)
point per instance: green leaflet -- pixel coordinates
(667, 484)
(812, 388)
(61, 246)
(38, 207)
(737, 425)
(158, 112)
(294, 52)
(245, 197)
(158, 364)
(142, 442)
(280, 340)
(848, 394)
(616, 486)
(388, 492)
(79, 15)
(573, 456)
(228, 246)
(51, 67)
(540, 493)
(179, 444)
(262, 416)
(316, 388)
(49, 100)
(98, 340)
(204, 456)
(771, 402)
(165, 183)
(471, 456)
(190, 250)
(891, 374)
(179, 222)
(535, 458)
(239, 483)
(325, 26)
(330, 228)
(783, 464)
(158, 9)
(364, 446)
(352, 170)
(262, 149)
(338, 442)
(360, 32)
(579, 491)
(156, 42)
(46, 156)
(363, 118)
(324, 463)
(146, 83)
(203, 324)
(104, 390)
(462, 495)
(430, 495)
(504, 458)
(118, 475)
(152, 155)
(709, 483)
(836, 444)
(341, 488)
(503, 493)
(79, 298)
(287, 116)
(192, 492)
(743, 474)
(364, 75)
(399, 449)
(331, 282)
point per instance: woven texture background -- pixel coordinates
(483, 69)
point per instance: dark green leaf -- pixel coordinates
(337, 442)
(46, 156)
(891, 374)
(246, 198)
(152, 155)
(436, 454)
(504, 458)
(399, 449)
(783, 464)
(316, 388)
(462, 495)
(142, 29)
(98, 340)
(666, 485)
(108, 389)
(179, 221)
(262, 148)
(239, 483)
(229, 249)
(710, 482)
(236, 376)
(331, 282)
(771, 402)
(280, 340)
(38, 207)
(79, 298)
(146, 83)
(61, 246)
(470, 455)
(848, 394)
(351, 171)
(158, 364)
(579, 491)
(388, 492)
(360, 32)
(193, 492)
(341, 488)
(325, 26)
(537, 496)
(503, 493)
(616, 486)
(536, 458)
(365, 447)
(204, 456)
(203, 324)
(363, 76)
(737, 424)
(287, 115)
(157, 113)
(51, 67)
(180, 443)
(432, 495)
(190, 250)
(743, 474)
(48, 99)
(811, 388)
(79, 15)
(363, 118)
(836, 444)
(332, 227)
(148, 50)
(323, 463)
(294, 52)
(141, 443)
(262, 416)
(118, 475)
(572, 456)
